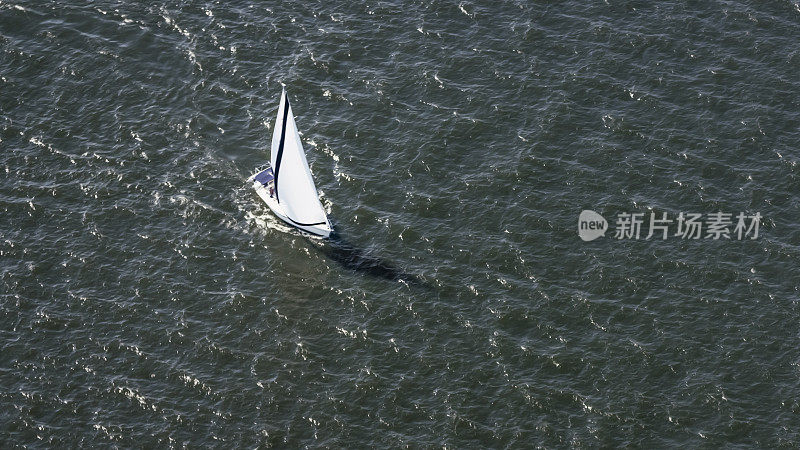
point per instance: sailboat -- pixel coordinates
(286, 184)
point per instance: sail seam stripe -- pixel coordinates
(280, 147)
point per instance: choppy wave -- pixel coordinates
(148, 298)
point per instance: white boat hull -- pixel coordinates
(264, 191)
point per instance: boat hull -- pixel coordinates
(263, 185)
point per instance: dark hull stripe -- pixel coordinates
(280, 147)
(305, 224)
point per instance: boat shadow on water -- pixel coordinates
(359, 260)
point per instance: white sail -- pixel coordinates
(294, 186)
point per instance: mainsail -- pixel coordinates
(294, 186)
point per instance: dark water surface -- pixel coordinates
(149, 298)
